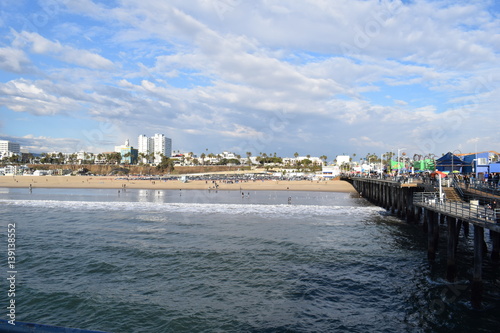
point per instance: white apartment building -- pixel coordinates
(158, 145)
(9, 148)
(343, 159)
(294, 161)
(145, 145)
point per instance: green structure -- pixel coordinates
(424, 165)
(397, 165)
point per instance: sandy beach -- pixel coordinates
(112, 182)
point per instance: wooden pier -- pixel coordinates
(415, 204)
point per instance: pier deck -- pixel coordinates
(475, 214)
(411, 202)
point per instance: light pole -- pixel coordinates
(476, 160)
(453, 159)
(381, 166)
(399, 165)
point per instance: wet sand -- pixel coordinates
(112, 182)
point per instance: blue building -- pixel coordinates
(495, 167)
(481, 163)
(129, 155)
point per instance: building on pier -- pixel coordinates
(450, 163)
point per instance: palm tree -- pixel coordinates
(249, 154)
(296, 155)
(127, 155)
(142, 157)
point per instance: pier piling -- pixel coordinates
(451, 270)
(412, 204)
(477, 283)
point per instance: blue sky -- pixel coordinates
(308, 76)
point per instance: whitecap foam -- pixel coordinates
(200, 208)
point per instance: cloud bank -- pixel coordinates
(307, 76)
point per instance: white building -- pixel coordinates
(330, 171)
(145, 146)
(228, 155)
(343, 159)
(9, 170)
(161, 146)
(296, 160)
(158, 145)
(9, 148)
(40, 173)
(83, 156)
(118, 149)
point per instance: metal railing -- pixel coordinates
(464, 210)
(488, 187)
(456, 185)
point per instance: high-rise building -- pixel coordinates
(145, 148)
(10, 147)
(144, 144)
(157, 145)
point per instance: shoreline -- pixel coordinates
(93, 182)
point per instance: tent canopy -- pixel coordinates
(449, 162)
(438, 174)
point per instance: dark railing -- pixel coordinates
(488, 187)
(464, 210)
(458, 188)
(403, 178)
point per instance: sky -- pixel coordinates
(315, 77)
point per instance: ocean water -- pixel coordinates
(199, 261)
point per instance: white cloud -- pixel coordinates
(26, 96)
(220, 70)
(37, 144)
(84, 58)
(13, 60)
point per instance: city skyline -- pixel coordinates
(307, 76)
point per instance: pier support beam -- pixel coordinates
(432, 235)
(495, 251)
(451, 271)
(466, 228)
(425, 220)
(477, 283)
(457, 234)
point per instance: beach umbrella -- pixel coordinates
(438, 173)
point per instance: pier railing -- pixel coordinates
(457, 187)
(488, 187)
(470, 211)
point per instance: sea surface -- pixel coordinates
(199, 261)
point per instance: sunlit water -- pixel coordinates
(199, 261)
